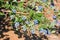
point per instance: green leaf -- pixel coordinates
(7, 6)
(20, 4)
(1, 13)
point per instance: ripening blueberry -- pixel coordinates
(24, 18)
(54, 16)
(58, 22)
(27, 22)
(51, 6)
(24, 28)
(13, 10)
(48, 31)
(35, 22)
(43, 31)
(12, 17)
(52, 3)
(16, 24)
(40, 8)
(33, 31)
(31, 24)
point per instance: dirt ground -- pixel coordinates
(13, 36)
